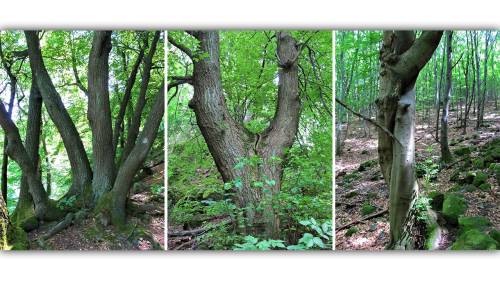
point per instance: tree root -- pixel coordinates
(56, 229)
(377, 214)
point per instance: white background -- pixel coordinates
(312, 14)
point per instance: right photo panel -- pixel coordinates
(417, 140)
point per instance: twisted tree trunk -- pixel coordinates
(401, 57)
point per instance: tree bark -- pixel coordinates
(230, 143)
(446, 156)
(99, 115)
(80, 166)
(401, 57)
(135, 159)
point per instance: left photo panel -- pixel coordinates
(82, 140)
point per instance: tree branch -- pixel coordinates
(180, 46)
(369, 120)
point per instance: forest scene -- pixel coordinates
(249, 140)
(81, 140)
(417, 140)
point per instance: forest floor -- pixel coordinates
(362, 189)
(144, 230)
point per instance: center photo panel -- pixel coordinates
(249, 140)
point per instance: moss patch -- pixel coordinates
(367, 209)
(474, 240)
(351, 231)
(467, 223)
(454, 206)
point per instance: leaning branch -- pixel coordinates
(369, 120)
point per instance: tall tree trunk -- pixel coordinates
(485, 79)
(402, 57)
(467, 91)
(438, 97)
(231, 145)
(135, 159)
(80, 166)
(478, 79)
(23, 215)
(446, 156)
(133, 130)
(99, 115)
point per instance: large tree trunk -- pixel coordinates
(231, 145)
(133, 130)
(99, 115)
(80, 166)
(135, 159)
(402, 57)
(24, 213)
(446, 156)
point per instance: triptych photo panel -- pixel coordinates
(251, 140)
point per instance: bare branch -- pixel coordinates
(369, 120)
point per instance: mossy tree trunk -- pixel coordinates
(401, 57)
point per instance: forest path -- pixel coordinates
(362, 189)
(144, 231)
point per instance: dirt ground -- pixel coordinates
(352, 191)
(144, 231)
